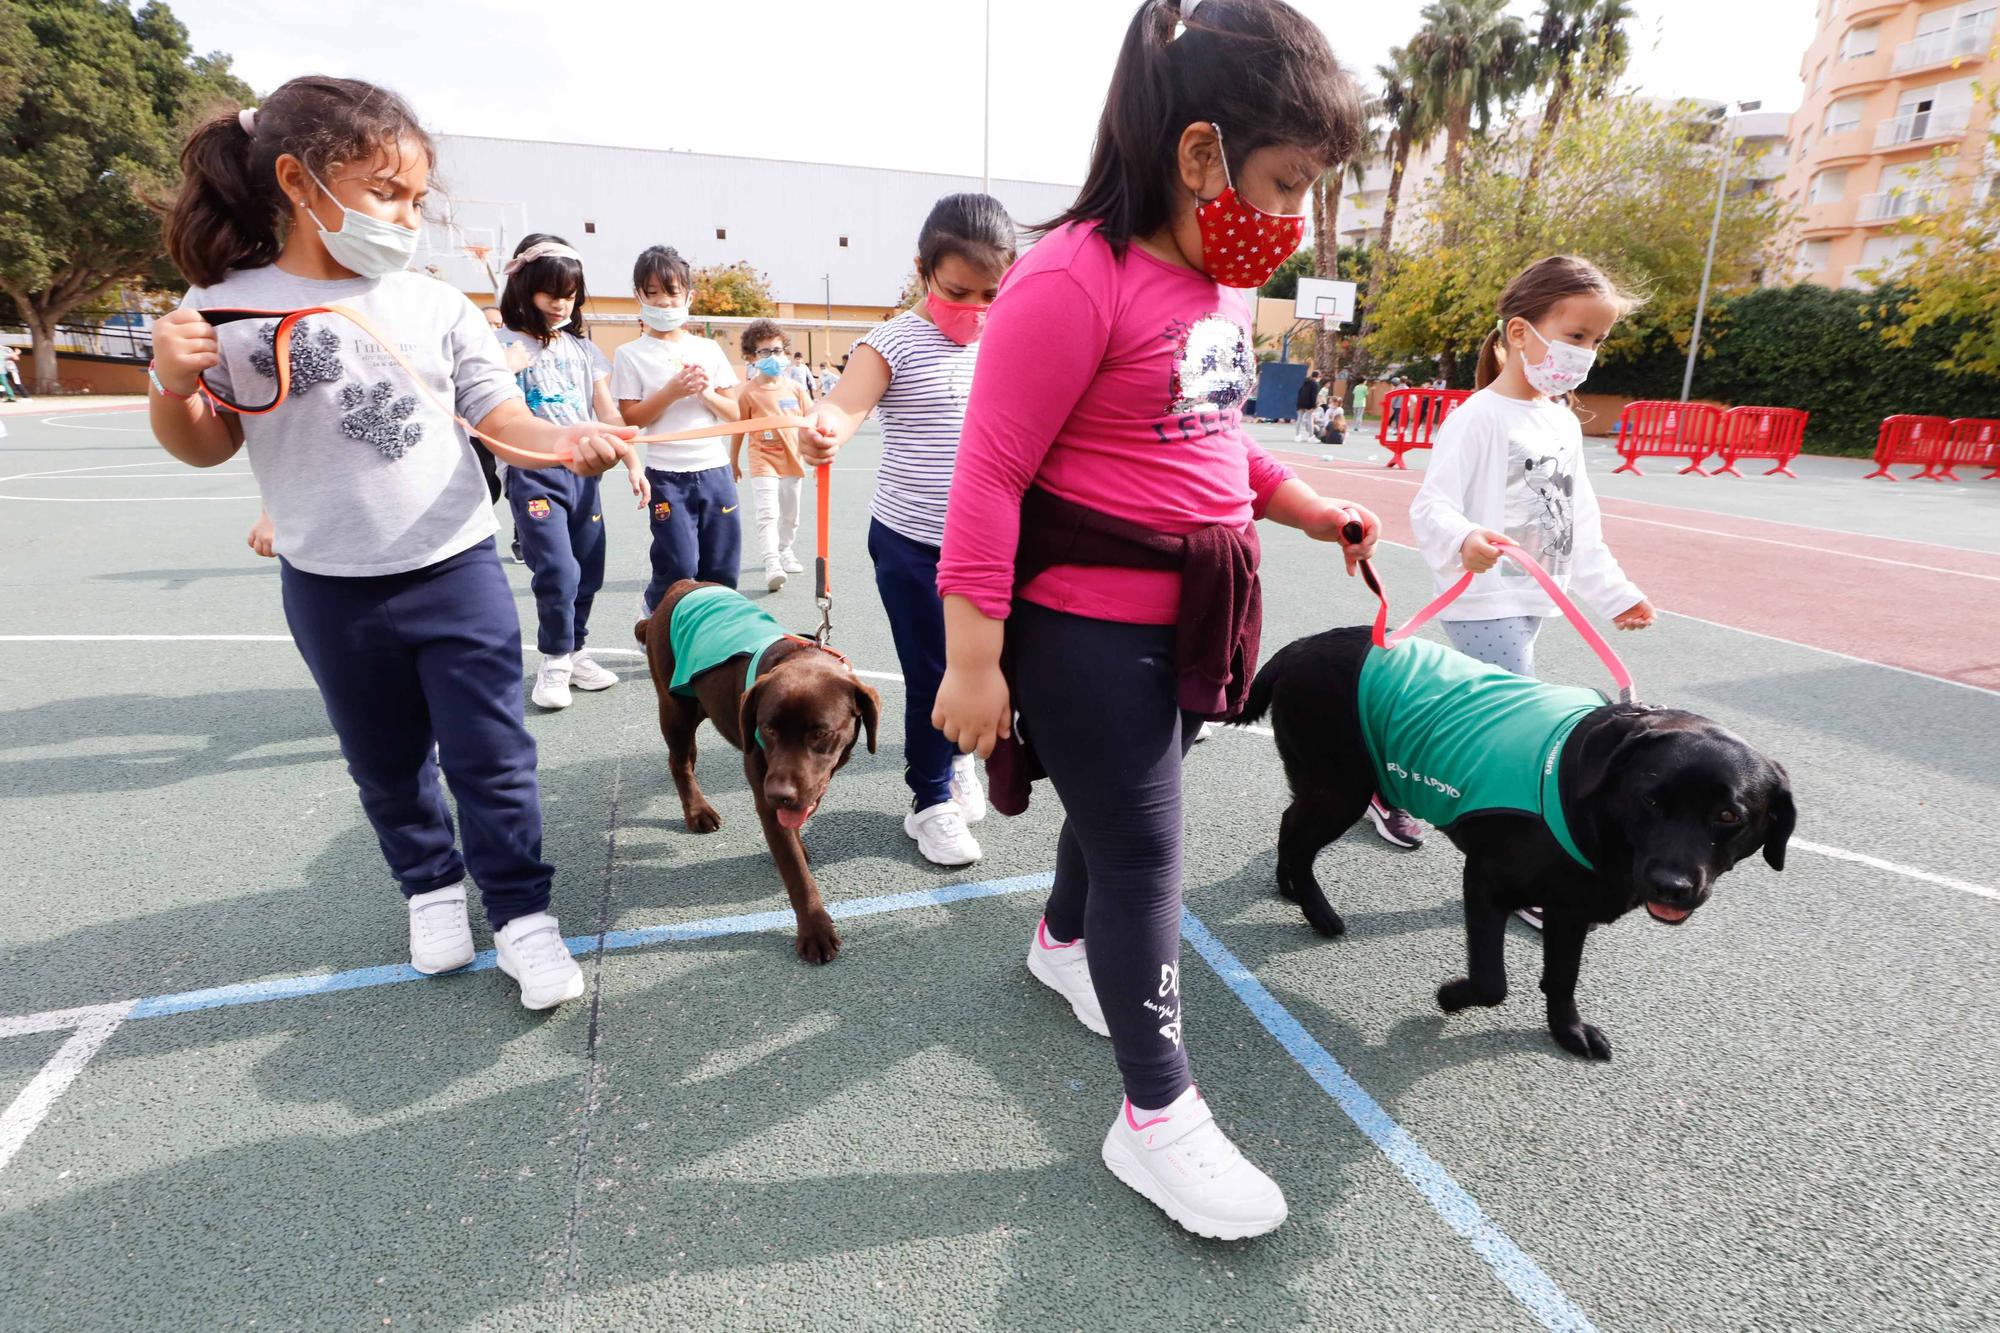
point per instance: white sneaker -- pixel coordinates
(774, 577)
(552, 683)
(1203, 732)
(530, 949)
(965, 788)
(440, 934)
(1181, 1160)
(585, 673)
(790, 563)
(942, 836)
(1064, 969)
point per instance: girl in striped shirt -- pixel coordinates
(917, 371)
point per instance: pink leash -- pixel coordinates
(1385, 639)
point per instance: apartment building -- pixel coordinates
(1895, 123)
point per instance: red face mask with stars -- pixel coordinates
(1241, 244)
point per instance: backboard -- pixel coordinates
(1321, 298)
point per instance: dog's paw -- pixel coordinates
(703, 819)
(818, 942)
(1459, 993)
(1324, 919)
(1584, 1039)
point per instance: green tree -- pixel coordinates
(1409, 127)
(731, 289)
(1580, 50)
(1469, 60)
(1953, 275)
(94, 103)
(1621, 187)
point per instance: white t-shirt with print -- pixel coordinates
(644, 366)
(1516, 467)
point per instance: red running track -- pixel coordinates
(1929, 609)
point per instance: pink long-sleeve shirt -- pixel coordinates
(1117, 384)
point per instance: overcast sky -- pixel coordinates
(893, 83)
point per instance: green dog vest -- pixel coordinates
(713, 625)
(1451, 736)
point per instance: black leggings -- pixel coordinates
(1097, 701)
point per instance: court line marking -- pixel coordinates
(1860, 858)
(1459, 1210)
(92, 1027)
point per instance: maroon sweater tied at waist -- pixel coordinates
(1216, 635)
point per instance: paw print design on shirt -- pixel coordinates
(376, 416)
(315, 355)
(1213, 367)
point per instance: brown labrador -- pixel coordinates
(808, 707)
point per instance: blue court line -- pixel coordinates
(1460, 1211)
(1519, 1273)
(361, 978)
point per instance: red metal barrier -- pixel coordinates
(1776, 433)
(1909, 439)
(1972, 442)
(1652, 428)
(1410, 418)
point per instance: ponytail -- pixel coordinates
(1492, 356)
(229, 213)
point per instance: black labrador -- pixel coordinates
(1663, 802)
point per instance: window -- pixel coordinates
(1805, 142)
(722, 233)
(1828, 187)
(1859, 42)
(1813, 255)
(1844, 115)
(1882, 257)
(590, 229)
(1819, 76)
(843, 242)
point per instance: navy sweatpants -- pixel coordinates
(697, 533)
(432, 657)
(1098, 700)
(561, 527)
(906, 576)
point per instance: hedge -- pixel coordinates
(1812, 347)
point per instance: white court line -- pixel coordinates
(1946, 881)
(184, 470)
(27, 1111)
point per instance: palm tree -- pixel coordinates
(1410, 129)
(1326, 246)
(1581, 48)
(1469, 58)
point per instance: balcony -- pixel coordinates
(1943, 47)
(1922, 127)
(1895, 205)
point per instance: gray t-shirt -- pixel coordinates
(361, 474)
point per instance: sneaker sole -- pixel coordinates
(1038, 970)
(549, 707)
(573, 991)
(1381, 824)
(440, 970)
(1119, 1160)
(579, 685)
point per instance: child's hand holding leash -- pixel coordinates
(1334, 522)
(1641, 615)
(590, 449)
(1480, 550)
(184, 345)
(820, 439)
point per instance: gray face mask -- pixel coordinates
(366, 246)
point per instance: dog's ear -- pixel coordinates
(1612, 749)
(1782, 816)
(746, 714)
(869, 703)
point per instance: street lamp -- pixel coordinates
(1708, 264)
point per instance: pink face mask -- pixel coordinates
(960, 321)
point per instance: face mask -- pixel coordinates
(366, 246)
(961, 321)
(1561, 371)
(770, 367)
(1241, 244)
(662, 318)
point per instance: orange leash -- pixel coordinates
(281, 349)
(822, 582)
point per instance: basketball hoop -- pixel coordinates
(1329, 321)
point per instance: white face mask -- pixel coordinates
(1564, 368)
(369, 247)
(662, 318)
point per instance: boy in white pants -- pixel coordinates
(776, 473)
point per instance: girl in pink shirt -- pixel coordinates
(1101, 529)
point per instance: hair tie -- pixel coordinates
(247, 118)
(539, 250)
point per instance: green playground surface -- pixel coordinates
(224, 1103)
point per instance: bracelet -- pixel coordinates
(153, 376)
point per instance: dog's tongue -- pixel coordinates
(1668, 914)
(795, 819)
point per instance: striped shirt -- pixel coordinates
(923, 410)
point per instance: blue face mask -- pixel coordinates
(770, 366)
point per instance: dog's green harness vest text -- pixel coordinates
(1451, 736)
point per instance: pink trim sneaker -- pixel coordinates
(1180, 1159)
(1064, 969)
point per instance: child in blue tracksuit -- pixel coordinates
(558, 523)
(673, 380)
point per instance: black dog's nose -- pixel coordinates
(1671, 887)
